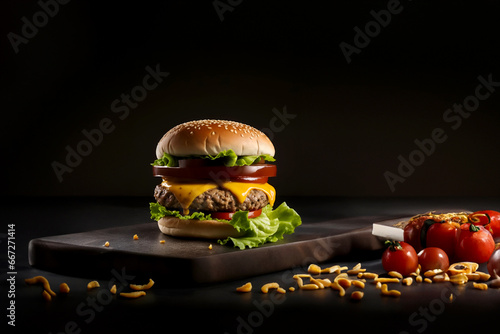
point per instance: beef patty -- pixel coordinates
(213, 200)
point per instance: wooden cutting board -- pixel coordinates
(84, 254)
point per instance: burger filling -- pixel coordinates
(213, 200)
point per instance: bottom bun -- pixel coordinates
(194, 228)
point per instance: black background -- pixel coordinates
(351, 123)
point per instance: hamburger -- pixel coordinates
(215, 185)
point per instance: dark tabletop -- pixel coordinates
(217, 307)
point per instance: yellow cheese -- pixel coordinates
(187, 192)
(241, 189)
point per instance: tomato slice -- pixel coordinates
(255, 173)
(250, 179)
(229, 215)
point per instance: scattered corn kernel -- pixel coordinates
(340, 269)
(357, 295)
(483, 276)
(339, 276)
(46, 296)
(331, 269)
(472, 276)
(387, 280)
(136, 237)
(314, 269)
(299, 280)
(336, 286)
(64, 288)
(247, 287)
(93, 284)
(106, 244)
(441, 278)
(358, 284)
(43, 280)
(326, 282)
(135, 294)
(344, 282)
(407, 281)
(395, 274)
(309, 287)
(459, 278)
(318, 283)
(355, 271)
(368, 275)
(386, 292)
(433, 272)
(480, 286)
(265, 288)
(142, 287)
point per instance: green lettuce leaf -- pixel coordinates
(270, 226)
(166, 160)
(227, 157)
(158, 211)
(248, 160)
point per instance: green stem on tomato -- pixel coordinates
(393, 245)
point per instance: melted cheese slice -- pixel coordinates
(241, 189)
(187, 192)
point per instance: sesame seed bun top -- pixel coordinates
(210, 137)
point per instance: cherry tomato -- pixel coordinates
(442, 235)
(412, 232)
(474, 243)
(433, 258)
(416, 230)
(400, 257)
(494, 264)
(489, 218)
(229, 215)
